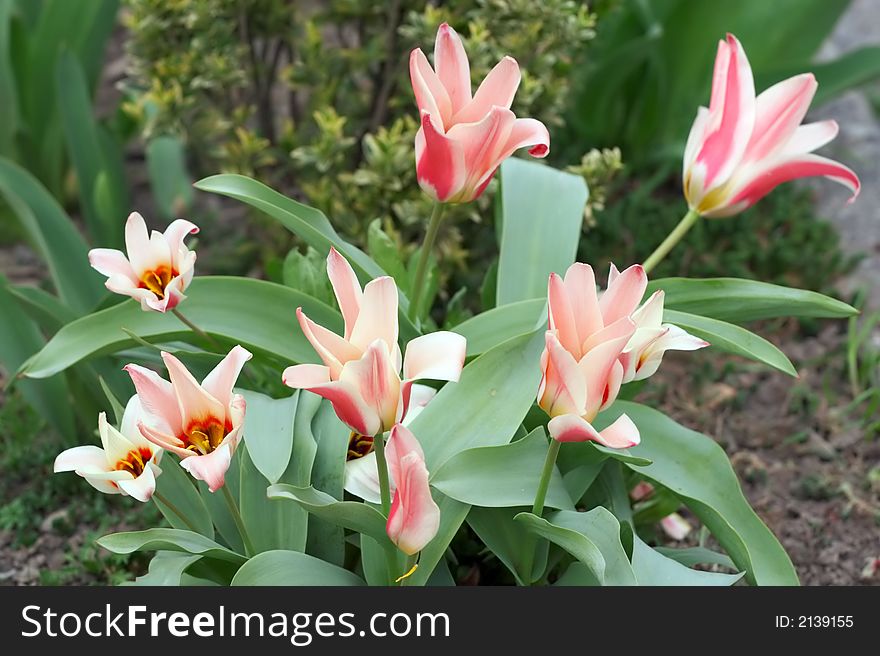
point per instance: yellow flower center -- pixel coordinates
(204, 438)
(157, 280)
(135, 461)
(358, 446)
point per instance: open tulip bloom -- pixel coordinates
(158, 268)
(200, 422)
(463, 138)
(742, 147)
(361, 371)
(126, 463)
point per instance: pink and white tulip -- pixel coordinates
(127, 464)
(414, 517)
(742, 147)
(463, 138)
(159, 266)
(200, 422)
(361, 371)
(643, 353)
(582, 372)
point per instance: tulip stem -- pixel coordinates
(239, 522)
(382, 466)
(686, 223)
(418, 288)
(165, 502)
(538, 508)
(198, 331)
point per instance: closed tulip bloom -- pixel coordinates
(361, 371)
(582, 372)
(126, 463)
(200, 422)
(742, 147)
(463, 138)
(158, 268)
(414, 517)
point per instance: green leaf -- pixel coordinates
(737, 301)
(574, 542)
(169, 177)
(488, 403)
(8, 87)
(19, 337)
(294, 569)
(256, 314)
(731, 338)
(542, 213)
(653, 568)
(691, 556)
(269, 434)
(508, 539)
(269, 525)
(54, 235)
(115, 404)
(452, 515)
(695, 468)
(176, 486)
(44, 308)
(167, 539)
(385, 252)
(514, 471)
(489, 329)
(219, 508)
(354, 515)
(166, 568)
(603, 530)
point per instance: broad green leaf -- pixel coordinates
(452, 515)
(508, 539)
(542, 213)
(19, 337)
(581, 463)
(690, 556)
(218, 506)
(731, 338)
(385, 252)
(310, 224)
(514, 471)
(653, 568)
(354, 515)
(603, 530)
(166, 568)
(41, 306)
(489, 329)
(695, 468)
(736, 300)
(256, 314)
(488, 403)
(269, 525)
(8, 88)
(176, 486)
(54, 235)
(269, 432)
(574, 542)
(169, 178)
(292, 568)
(167, 539)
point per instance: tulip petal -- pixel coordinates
(333, 350)
(304, 376)
(378, 315)
(221, 380)
(145, 252)
(116, 446)
(437, 356)
(142, 487)
(675, 526)
(174, 235)
(650, 314)
(346, 399)
(157, 398)
(196, 405)
(596, 369)
(452, 66)
(431, 96)
(528, 132)
(622, 434)
(809, 137)
(110, 262)
(496, 90)
(210, 468)
(561, 298)
(163, 440)
(375, 378)
(623, 296)
(563, 389)
(87, 459)
(440, 166)
(484, 144)
(346, 288)
(732, 113)
(779, 110)
(620, 328)
(362, 478)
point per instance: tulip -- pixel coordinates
(127, 464)
(414, 517)
(159, 266)
(201, 423)
(652, 338)
(742, 147)
(361, 371)
(582, 372)
(463, 138)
